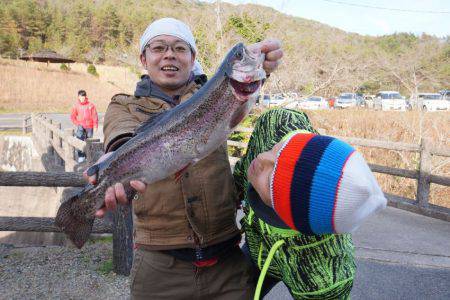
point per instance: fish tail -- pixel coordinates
(77, 229)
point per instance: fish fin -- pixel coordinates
(150, 122)
(77, 229)
(181, 172)
(93, 170)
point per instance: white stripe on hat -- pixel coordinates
(359, 195)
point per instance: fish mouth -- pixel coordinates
(243, 90)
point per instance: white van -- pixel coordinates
(432, 102)
(390, 100)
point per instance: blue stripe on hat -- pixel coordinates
(324, 184)
(305, 168)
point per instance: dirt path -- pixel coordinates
(60, 273)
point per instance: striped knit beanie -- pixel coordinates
(322, 185)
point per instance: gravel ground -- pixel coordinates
(54, 272)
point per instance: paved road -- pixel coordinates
(11, 119)
(64, 119)
(400, 255)
(380, 280)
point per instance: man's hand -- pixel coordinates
(114, 194)
(272, 49)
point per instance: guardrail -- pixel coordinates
(25, 124)
(49, 137)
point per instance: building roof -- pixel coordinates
(47, 56)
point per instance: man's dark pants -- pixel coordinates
(83, 134)
(156, 275)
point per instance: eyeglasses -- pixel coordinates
(158, 47)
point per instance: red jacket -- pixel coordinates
(84, 114)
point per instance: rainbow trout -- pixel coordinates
(170, 141)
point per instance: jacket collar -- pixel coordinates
(262, 211)
(86, 102)
(146, 88)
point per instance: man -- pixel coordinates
(84, 116)
(185, 231)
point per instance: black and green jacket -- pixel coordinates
(311, 266)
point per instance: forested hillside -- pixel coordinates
(319, 59)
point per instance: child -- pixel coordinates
(300, 177)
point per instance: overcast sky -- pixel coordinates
(390, 16)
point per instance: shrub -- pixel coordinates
(92, 70)
(64, 67)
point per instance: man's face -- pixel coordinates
(260, 172)
(81, 98)
(168, 61)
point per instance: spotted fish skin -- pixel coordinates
(172, 140)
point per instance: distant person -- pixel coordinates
(84, 116)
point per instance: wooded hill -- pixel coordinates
(319, 59)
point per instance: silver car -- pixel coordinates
(346, 100)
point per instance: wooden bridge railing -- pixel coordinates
(61, 145)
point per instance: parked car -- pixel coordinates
(313, 102)
(390, 100)
(273, 100)
(432, 102)
(445, 94)
(345, 100)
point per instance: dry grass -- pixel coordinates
(35, 87)
(30, 86)
(396, 127)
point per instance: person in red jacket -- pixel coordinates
(84, 116)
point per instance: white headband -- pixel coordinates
(173, 27)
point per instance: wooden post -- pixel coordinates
(24, 125)
(57, 142)
(49, 138)
(58, 137)
(123, 240)
(40, 135)
(122, 220)
(69, 152)
(37, 132)
(33, 126)
(423, 184)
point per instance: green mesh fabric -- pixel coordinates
(311, 266)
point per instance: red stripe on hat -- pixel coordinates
(337, 191)
(284, 173)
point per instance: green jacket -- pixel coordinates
(311, 266)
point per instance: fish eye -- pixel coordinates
(239, 55)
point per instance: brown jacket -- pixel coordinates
(199, 209)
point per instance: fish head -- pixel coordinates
(245, 72)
